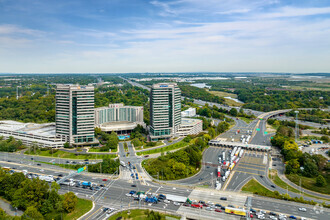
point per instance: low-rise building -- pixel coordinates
(43, 135)
(190, 126)
(119, 118)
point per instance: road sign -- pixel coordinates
(266, 132)
(258, 129)
(81, 169)
(271, 137)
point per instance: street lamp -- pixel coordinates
(297, 130)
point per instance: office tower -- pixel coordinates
(75, 113)
(165, 110)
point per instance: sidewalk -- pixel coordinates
(9, 209)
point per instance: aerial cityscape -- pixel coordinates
(174, 109)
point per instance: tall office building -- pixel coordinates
(165, 110)
(75, 113)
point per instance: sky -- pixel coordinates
(118, 36)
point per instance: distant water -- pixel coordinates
(236, 100)
(200, 85)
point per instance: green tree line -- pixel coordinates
(35, 197)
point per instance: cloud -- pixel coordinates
(8, 29)
(234, 11)
(296, 12)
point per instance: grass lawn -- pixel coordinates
(277, 180)
(139, 214)
(247, 120)
(227, 94)
(97, 149)
(145, 146)
(309, 183)
(68, 155)
(254, 186)
(177, 145)
(82, 207)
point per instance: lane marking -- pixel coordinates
(93, 213)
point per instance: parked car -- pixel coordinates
(302, 209)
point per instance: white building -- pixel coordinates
(190, 126)
(119, 118)
(190, 112)
(31, 133)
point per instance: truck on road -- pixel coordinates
(123, 163)
(176, 198)
(86, 184)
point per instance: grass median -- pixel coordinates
(140, 214)
(175, 146)
(68, 155)
(309, 183)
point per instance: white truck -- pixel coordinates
(241, 153)
(176, 198)
(123, 163)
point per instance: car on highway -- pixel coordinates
(273, 213)
(231, 206)
(146, 155)
(133, 185)
(292, 217)
(302, 209)
(218, 210)
(261, 176)
(223, 198)
(272, 186)
(32, 158)
(60, 175)
(167, 201)
(186, 204)
(261, 217)
(67, 161)
(176, 203)
(91, 188)
(197, 205)
(97, 188)
(104, 180)
(132, 192)
(74, 162)
(128, 195)
(209, 209)
(41, 170)
(38, 164)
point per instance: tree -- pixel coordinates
(66, 145)
(325, 139)
(69, 202)
(212, 132)
(233, 112)
(310, 169)
(32, 213)
(320, 181)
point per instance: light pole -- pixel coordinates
(297, 129)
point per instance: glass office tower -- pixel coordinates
(165, 110)
(75, 113)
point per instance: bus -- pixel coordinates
(235, 211)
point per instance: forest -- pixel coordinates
(268, 94)
(35, 197)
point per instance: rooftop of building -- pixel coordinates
(164, 85)
(118, 105)
(190, 121)
(74, 86)
(46, 129)
(118, 125)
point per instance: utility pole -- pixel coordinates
(297, 127)
(300, 185)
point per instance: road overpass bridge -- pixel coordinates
(220, 143)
